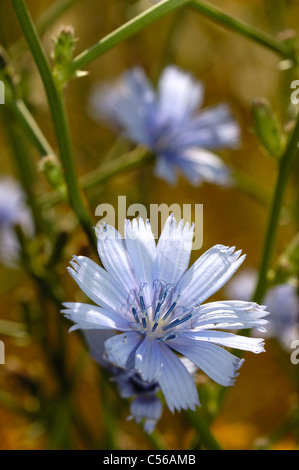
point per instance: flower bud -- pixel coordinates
(267, 127)
(52, 169)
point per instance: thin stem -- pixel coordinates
(241, 27)
(157, 440)
(167, 6)
(59, 116)
(133, 160)
(130, 161)
(25, 170)
(285, 166)
(206, 437)
(31, 128)
(46, 20)
(124, 32)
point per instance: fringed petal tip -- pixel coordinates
(238, 363)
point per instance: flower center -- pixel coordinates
(163, 316)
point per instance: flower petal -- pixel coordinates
(95, 340)
(255, 345)
(92, 317)
(178, 95)
(201, 165)
(120, 350)
(220, 365)
(97, 284)
(176, 383)
(148, 359)
(126, 105)
(230, 315)
(115, 257)
(175, 239)
(142, 249)
(214, 128)
(208, 274)
(165, 170)
(148, 408)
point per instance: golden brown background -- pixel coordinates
(234, 70)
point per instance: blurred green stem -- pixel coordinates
(60, 120)
(238, 26)
(124, 32)
(132, 160)
(157, 440)
(140, 157)
(167, 6)
(49, 288)
(31, 128)
(46, 20)
(25, 170)
(137, 158)
(208, 440)
(284, 170)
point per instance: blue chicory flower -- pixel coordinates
(145, 405)
(282, 301)
(166, 122)
(13, 211)
(148, 295)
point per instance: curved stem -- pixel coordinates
(59, 116)
(285, 166)
(162, 9)
(241, 27)
(124, 32)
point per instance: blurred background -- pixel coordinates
(38, 407)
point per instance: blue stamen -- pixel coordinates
(170, 310)
(157, 312)
(178, 322)
(142, 303)
(170, 337)
(135, 314)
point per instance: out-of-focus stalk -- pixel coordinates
(125, 31)
(285, 165)
(60, 120)
(47, 19)
(241, 27)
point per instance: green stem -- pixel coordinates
(46, 20)
(130, 161)
(238, 26)
(124, 32)
(31, 128)
(163, 8)
(59, 116)
(206, 437)
(133, 160)
(157, 441)
(285, 166)
(24, 168)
